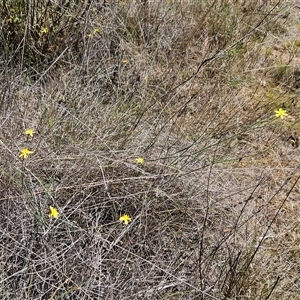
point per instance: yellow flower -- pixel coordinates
(29, 132)
(281, 113)
(125, 61)
(53, 212)
(125, 219)
(139, 160)
(44, 30)
(25, 152)
(96, 30)
(89, 35)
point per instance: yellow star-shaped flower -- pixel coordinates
(44, 30)
(125, 219)
(139, 160)
(29, 132)
(54, 213)
(25, 152)
(281, 113)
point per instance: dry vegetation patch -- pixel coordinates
(163, 111)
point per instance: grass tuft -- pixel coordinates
(149, 149)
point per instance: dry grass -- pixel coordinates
(190, 86)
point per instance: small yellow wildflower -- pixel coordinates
(281, 113)
(125, 61)
(139, 160)
(89, 35)
(44, 30)
(25, 152)
(96, 30)
(125, 219)
(53, 212)
(29, 132)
